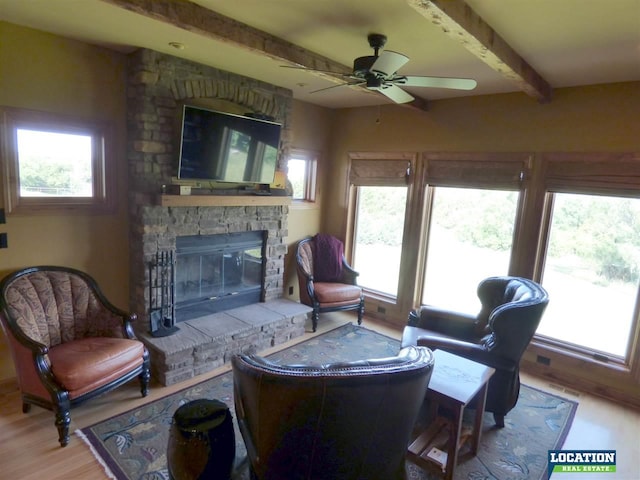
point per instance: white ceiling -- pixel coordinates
(567, 42)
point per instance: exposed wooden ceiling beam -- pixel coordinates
(207, 23)
(460, 22)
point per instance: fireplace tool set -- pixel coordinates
(162, 311)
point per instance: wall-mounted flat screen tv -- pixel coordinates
(223, 147)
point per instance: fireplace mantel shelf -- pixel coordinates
(222, 200)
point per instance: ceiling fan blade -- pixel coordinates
(396, 94)
(389, 63)
(340, 85)
(436, 82)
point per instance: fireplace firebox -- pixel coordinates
(218, 272)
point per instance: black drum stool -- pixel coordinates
(202, 442)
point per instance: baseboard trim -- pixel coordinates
(8, 385)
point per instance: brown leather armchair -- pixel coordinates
(337, 421)
(68, 342)
(326, 292)
(497, 337)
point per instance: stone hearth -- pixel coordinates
(208, 342)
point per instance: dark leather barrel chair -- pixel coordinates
(68, 342)
(497, 337)
(326, 422)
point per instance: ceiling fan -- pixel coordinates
(378, 72)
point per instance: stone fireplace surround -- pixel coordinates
(157, 87)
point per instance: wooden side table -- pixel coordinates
(455, 382)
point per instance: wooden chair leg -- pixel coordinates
(63, 419)
(499, 419)
(314, 319)
(144, 377)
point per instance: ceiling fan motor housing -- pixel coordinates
(374, 82)
(362, 65)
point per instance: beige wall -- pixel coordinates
(595, 118)
(311, 131)
(49, 73)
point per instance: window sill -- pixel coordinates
(304, 205)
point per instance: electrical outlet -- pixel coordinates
(543, 360)
(3, 240)
(290, 290)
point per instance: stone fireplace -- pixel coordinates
(158, 86)
(165, 227)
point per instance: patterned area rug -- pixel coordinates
(132, 446)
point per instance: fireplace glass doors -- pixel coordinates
(218, 272)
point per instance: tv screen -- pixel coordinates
(223, 147)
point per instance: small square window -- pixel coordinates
(54, 163)
(301, 174)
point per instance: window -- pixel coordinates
(589, 256)
(470, 239)
(301, 172)
(54, 163)
(380, 189)
(377, 249)
(593, 254)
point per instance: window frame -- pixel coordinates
(494, 170)
(102, 164)
(355, 207)
(429, 211)
(552, 342)
(612, 175)
(311, 174)
(385, 169)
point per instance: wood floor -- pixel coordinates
(29, 449)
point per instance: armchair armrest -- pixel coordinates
(455, 324)
(472, 351)
(349, 275)
(451, 345)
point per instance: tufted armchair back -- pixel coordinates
(511, 310)
(305, 257)
(55, 306)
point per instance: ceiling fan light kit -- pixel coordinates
(378, 72)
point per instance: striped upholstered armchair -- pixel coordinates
(327, 282)
(68, 342)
